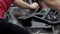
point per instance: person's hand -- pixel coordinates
(34, 5)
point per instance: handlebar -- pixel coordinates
(43, 15)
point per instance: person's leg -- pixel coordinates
(9, 28)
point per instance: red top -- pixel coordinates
(4, 5)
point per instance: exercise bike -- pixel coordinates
(45, 15)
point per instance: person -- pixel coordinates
(7, 27)
(53, 4)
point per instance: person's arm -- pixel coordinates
(25, 5)
(55, 4)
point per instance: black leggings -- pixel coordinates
(9, 28)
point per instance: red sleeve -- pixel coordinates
(4, 5)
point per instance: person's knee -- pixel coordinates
(18, 30)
